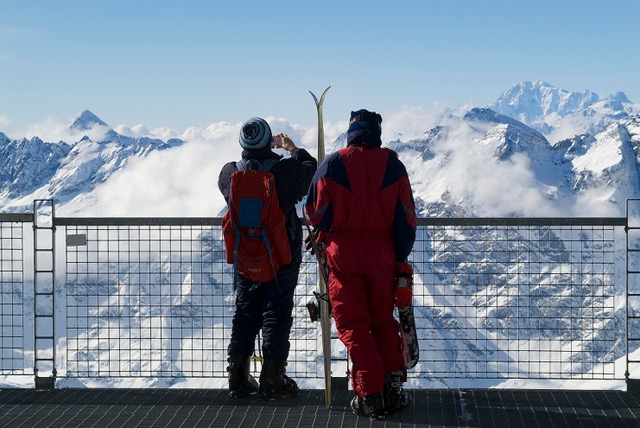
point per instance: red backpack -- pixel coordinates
(254, 227)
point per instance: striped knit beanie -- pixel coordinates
(255, 134)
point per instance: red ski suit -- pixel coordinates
(363, 199)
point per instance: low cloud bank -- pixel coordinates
(182, 181)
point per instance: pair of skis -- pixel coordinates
(322, 310)
(322, 295)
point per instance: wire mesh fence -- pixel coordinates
(16, 336)
(534, 302)
(158, 300)
(493, 299)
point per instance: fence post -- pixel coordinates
(44, 293)
(632, 287)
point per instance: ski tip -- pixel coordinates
(314, 97)
(318, 102)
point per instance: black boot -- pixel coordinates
(241, 383)
(395, 397)
(371, 407)
(274, 383)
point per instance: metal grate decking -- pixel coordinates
(64, 408)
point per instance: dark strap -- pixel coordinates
(265, 165)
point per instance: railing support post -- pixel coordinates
(44, 293)
(632, 289)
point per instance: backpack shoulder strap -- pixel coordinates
(243, 164)
(268, 163)
(265, 165)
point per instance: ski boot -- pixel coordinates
(274, 383)
(371, 406)
(241, 383)
(395, 397)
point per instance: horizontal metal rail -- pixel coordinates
(138, 221)
(523, 221)
(421, 221)
(16, 217)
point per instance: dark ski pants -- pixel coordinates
(267, 306)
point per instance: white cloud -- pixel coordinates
(182, 181)
(466, 172)
(596, 202)
(52, 130)
(566, 127)
(136, 131)
(410, 122)
(140, 130)
(178, 182)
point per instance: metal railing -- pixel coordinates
(494, 298)
(519, 298)
(632, 303)
(154, 298)
(16, 338)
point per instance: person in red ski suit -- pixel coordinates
(361, 205)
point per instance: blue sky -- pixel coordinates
(188, 63)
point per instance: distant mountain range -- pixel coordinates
(536, 150)
(32, 169)
(547, 108)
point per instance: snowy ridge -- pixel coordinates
(26, 165)
(559, 113)
(530, 102)
(532, 152)
(33, 169)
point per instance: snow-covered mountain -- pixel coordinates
(559, 113)
(32, 169)
(537, 150)
(508, 158)
(487, 164)
(26, 165)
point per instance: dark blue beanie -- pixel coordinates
(365, 129)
